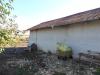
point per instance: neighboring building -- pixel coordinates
(81, 31)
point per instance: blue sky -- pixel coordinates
(28, 7)
(33, 12)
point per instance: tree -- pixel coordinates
(5, 9)
(10, 30)
(5, 37)
(11, 24)
(6, 33)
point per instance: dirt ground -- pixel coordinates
(39, 63)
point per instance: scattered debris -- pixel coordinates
(39, 64)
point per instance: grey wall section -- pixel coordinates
(81, 37)
(32, 37)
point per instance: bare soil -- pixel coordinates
(40, 63)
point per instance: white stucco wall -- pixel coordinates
(80, 36)
(32, 38)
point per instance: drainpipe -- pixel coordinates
(36, 36)
(52, 26)
(53, 37)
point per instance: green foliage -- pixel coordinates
(6, 33)
(97, 71)
(5, 9)
(8, 38)
(61, 46)
(5, 38)
(1, 50)
(63, 49)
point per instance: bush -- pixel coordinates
(97, 71)
(64, 50)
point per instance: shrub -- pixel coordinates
(97, 71)
(64, 50)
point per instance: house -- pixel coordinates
(80, 31)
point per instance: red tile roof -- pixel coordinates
(79, 17)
